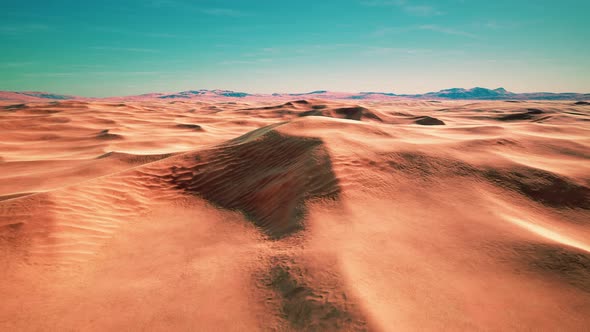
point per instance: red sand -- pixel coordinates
(302, 215)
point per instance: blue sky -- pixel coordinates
(121, 47)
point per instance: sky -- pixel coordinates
(126, 47)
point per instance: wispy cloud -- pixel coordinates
(162, 3)
(446, 30)
(92, 73)
(183, 5)
(264, 52)
(315, 48)
(124, 49)
(425, 27)
(19, 29)
(385, 51)
(422, 10)
(499, 24)
(17, 64)
(377, 51)
(223, 12)
(56, 75)
(136, 33)
(245, 62)
(123, 73)
(406, 6)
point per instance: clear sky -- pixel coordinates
(123, 47)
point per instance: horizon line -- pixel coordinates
(287, 93)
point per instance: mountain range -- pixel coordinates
(476, 93)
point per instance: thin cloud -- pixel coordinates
(446, 30)
(23, 29)
(312, 49)
(426, 27)
(422, 10)
(135, 33)
(287, 51)
(390, 30)
(48, 74)
(264, 52)
(498, 25)
(382, 3)
(92, 73)
(223, 12)
(17, 64)
(124, 49)
(163, 3)
(377, 51)
(407, 7)
(245, 62)
(384, 51)
(131, 73)
(182, 5)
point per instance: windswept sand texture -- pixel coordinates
(294, 215)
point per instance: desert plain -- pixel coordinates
(237, 214)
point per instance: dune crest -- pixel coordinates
(264, 174)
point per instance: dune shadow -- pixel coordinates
(561, 263)
(539, 185)
(309, 308)
(266, 175)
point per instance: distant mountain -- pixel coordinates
(336, 95)
(323, 94)
(373, 95)
(46, 95)
(32, 96)
(202, 93)
(476, 93)
(318, 92)
(553, 96)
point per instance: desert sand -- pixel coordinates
(294, 215)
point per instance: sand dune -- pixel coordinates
(303, 215)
